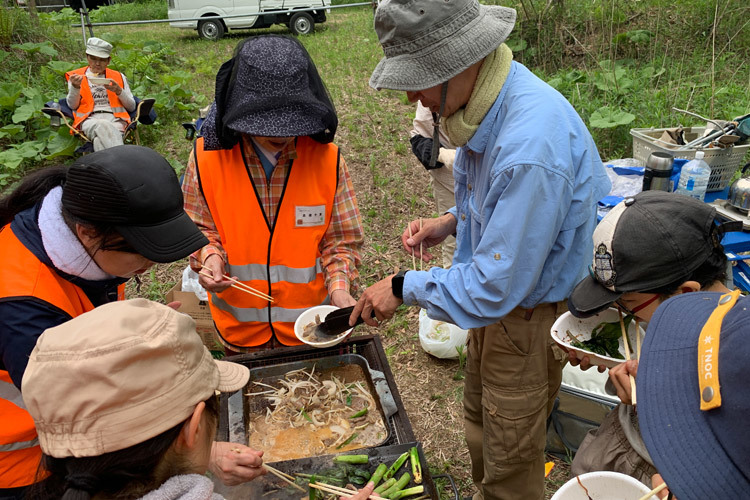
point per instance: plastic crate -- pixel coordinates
(723, 162)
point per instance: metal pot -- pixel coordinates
(739, 192)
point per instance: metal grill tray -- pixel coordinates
(269, 487)
(239, 419)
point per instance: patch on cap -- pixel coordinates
(604, 265)
(604, 271)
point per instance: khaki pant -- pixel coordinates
(104, 130)
(442, 190)
(513, 374)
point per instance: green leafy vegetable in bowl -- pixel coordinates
(605, 339)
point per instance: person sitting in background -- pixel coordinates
(440, 169)
(273, 195)
(100, 110)
(693, 400)
(646, 249)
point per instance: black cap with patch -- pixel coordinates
(136, 191)
(644, 243)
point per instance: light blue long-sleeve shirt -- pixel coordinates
(526, 184)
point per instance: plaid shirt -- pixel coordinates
(341, 244)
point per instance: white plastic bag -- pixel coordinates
(190, 284)
(440, 338)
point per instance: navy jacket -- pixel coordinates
(23, 319)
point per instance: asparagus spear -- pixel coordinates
(389, 482)
(351, 459)
(377, 476)
(415, 490)
(416, 467)
(396, 465)
(398, 486)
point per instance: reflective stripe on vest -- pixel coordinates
(283, 262)
(86, 105)
(26, 276)
(250, 272)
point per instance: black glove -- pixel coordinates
(422, 149)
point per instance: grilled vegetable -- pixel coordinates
(360, 413)
(389, 482)
(398, 485)
(312, 493)
(351, 459)
(377, 476)
(415, 490)
(416, 467)
(348, 440)
(396, 465)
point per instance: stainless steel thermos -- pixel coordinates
(658, 171)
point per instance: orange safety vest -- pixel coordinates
(86, 106)
(282, 261)
(26, 276)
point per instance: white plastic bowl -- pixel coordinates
(603, 485)
(581, 328)
(308, 317)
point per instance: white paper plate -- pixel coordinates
(308, 317)
(567, 327)
(603, 485)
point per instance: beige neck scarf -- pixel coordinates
(462, 124)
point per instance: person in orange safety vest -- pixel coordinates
(99, 97)
(273, 195)
(70, 237)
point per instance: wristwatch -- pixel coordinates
(397, 284)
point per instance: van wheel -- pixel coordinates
(211, 29)
(302, 23)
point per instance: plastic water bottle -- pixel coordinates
(694, 177)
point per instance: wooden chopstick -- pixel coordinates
(420, 246)
(653, 492)
(627, 356)
(281, 475)
(241, 286)
(328, 488)
(637, 341)
(413, 260)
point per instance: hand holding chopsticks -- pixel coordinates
(237, 284)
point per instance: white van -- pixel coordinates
(212, 29)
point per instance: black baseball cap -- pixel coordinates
(136, 191)
(646, 242)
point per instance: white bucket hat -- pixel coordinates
(428, 42)
(98, 48)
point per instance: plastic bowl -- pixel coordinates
(567, 327)
(308, 317)
(603, 485)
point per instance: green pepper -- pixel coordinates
(360, 413)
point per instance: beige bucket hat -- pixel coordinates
(428, 42)
(119, 375)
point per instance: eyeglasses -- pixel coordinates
(639, 307)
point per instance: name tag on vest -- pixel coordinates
(309, 216)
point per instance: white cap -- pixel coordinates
(98, 48)
(699, 155)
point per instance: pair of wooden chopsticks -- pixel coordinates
(338, 491)
(284, 477)
(627, 351)
(240, 286)
(413, 259)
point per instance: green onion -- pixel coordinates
(416, 467)
(360, 413)
(351, 459)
